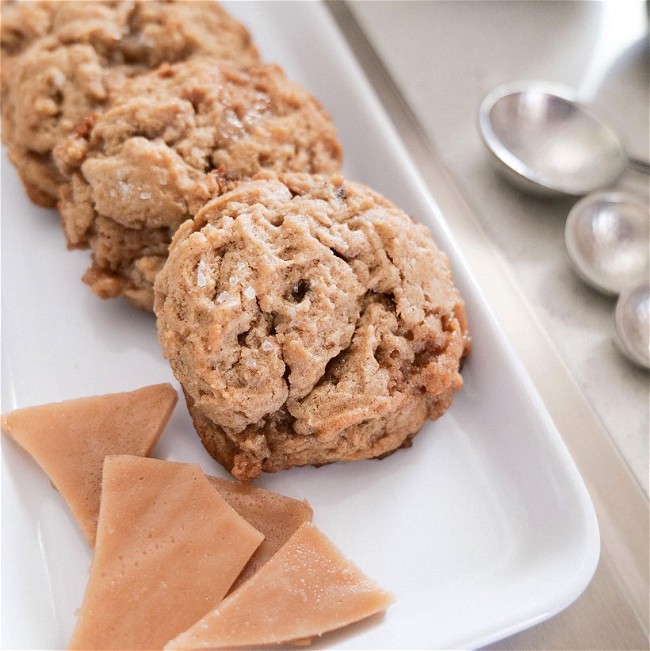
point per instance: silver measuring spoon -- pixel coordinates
(607, 237)
(632, 324)
(545, 141)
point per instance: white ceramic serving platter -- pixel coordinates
(482, 528)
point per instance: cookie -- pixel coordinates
(136, 170)
(21, 23)
(309, 320)
(66, 59)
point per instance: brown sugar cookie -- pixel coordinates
(136, 168)
(309, 320)
(63, 60)
(21, 23)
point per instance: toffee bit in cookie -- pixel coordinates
(233, 280)
(251, 363)
(241, 266)
(145, 196)
(223, 297)
(250, 293)
(266, 346)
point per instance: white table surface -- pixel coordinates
(445, 57)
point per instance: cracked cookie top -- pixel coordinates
(310, 320)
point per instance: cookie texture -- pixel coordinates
(62, 60)
(21, 23)
(135, 171)
(309, 320)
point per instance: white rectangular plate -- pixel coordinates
(482, 528)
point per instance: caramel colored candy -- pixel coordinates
(305, 590)
(168, 549)
(70, 439)
(276, 516)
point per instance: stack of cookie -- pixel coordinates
(308, 319)
(114, 111)
(63, 61)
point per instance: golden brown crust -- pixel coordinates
(308, 320)
(37, 196)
